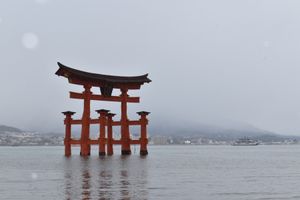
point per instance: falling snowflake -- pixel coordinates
(34, 176)
(30, 40)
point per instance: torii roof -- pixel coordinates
(81, 77)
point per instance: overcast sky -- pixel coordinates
(210, 61)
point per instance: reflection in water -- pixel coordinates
(68, 179)
(124, 185)
(105, 184)
(86, 185)
(68, 187)
(110, 178)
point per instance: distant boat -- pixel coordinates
(245, 142)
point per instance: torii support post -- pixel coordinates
(102, 139)
(143, 139)
(85, 131)
(125, 135)
(110, 150)
(67, 140)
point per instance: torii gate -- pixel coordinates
(106, 83)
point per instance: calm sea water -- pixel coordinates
(169, 172)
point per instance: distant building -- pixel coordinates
(159, 140)
(187, 142)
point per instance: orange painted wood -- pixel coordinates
(93, 142)
(110, 150)
(114, 123)
(143, 139)
(75, 95)
(73, 141)
(135, 142)
(68, 136)
(85, 130)
(102, 139)
(96, 142)
(125, 135)
(117, 141)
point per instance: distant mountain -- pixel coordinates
(11, 136)
(224, 132)
(4, 128)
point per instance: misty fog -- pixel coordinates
(216, 62)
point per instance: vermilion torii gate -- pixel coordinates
(106, 83)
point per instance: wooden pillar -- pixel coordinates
(110, 150)
(125, 135)
(143, 138)
(102, 122)
(67, 139)
(85, 131)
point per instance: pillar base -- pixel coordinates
(102, 153)
(144, 152)
(67, 155)
(126, 152)
(88, 154)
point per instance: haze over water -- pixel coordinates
(169, 172)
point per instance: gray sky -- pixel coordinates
(211, 61)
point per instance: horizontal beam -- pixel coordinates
(131, 142)
(93, 141)
(135, 142)
(75, 95)
(116, 142)
(73, 121)
(114, 123)
(73, 141)
(130, 122)
(96, 142)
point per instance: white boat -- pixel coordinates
(245, 142)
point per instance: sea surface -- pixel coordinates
(168, 172)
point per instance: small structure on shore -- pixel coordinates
(106, 83)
